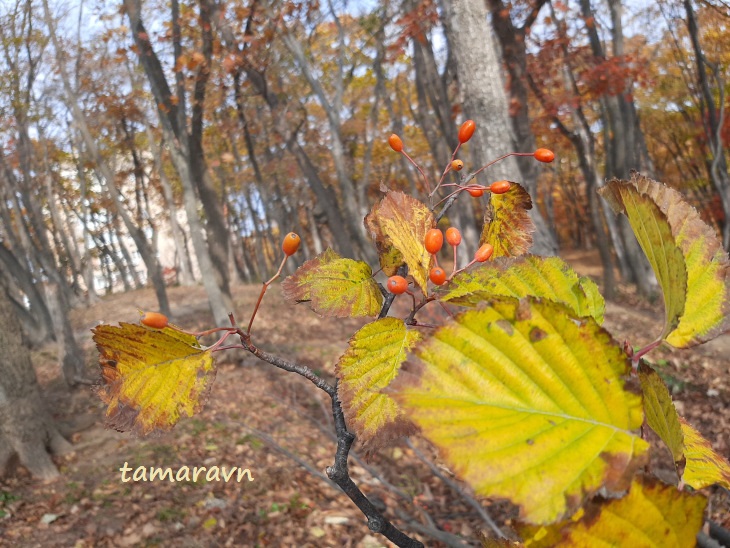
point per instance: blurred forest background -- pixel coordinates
(173, 143)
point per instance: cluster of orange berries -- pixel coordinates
(434, 239)
(465, 133)
(433, 242)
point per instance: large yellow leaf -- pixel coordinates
(528, 275)
(151, 377)
(400, 221)
(370, 363)
(705, 296)
(528, 403)
(334, 286)
(704, 466)
(651, 515)
(660, 412)
(507, 223)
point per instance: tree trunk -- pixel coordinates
(713, 122)
(345, 241)
(512, 41)
(70, 355)
(182, 264)
(26, 428)
(485, 100)
(622, 134)
(186, 153)
(105, 173)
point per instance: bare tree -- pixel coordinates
(185, 144)
(105, 172)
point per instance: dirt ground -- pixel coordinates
(271, 423)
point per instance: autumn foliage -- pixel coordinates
(524, 392)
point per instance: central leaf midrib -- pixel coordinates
(530, 411)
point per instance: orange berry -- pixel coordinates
(395, 143)
(466, 131)
(291, 243)
(453, 236)
(397, 285)
(499, 187)
(457, 165)
(475, 191)
(437, 275)
(544, 155)
(154, 319)
(484, 253)
(434, 240)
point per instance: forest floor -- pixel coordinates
(258, 417)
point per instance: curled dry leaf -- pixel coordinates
(400, 221)
(507, 223)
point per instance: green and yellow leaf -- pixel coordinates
(660, 412)
(151, 378)
(544, 277)
(651, 515)
(704, 466)
(334, 286)
(390, 259)
(401, 222)
(507, 223)
(654, 233)
(703, 300)
(368, 366)
(528, 403)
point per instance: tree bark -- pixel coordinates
(713, 121)
(26, 428)
(512, 41)
(485, 100)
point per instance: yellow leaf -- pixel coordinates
(528, 403)
(152, 378)
(660, 412)
(507, 223)
(704, 466)
(701, 297)
(651, 515)
(654, 233)
(528, 275)
(368, 366)
(334, 286)
(400, 221)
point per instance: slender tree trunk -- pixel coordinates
(186, 153)
(26, 427)
(12, 267)
(341, 228)
(622, 155)
(485, 100)
(513, 42)
(353, 217)
(182, 264)
(105, 173)
(714, 122)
